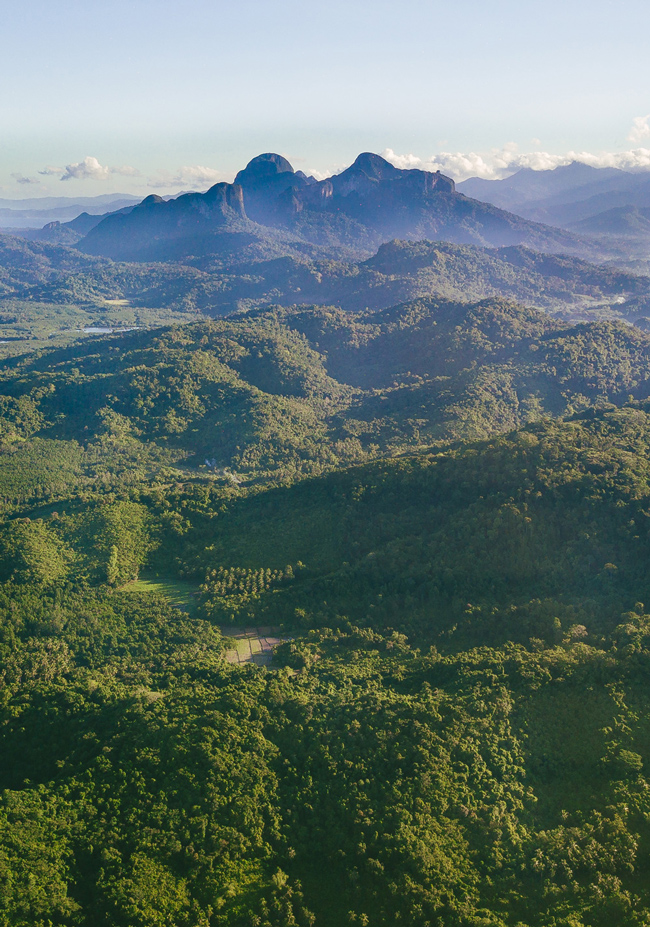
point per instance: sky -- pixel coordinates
(157, 96)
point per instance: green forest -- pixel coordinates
(436, 501)
(51, 294)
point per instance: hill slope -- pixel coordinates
(292, 392)
(563, 195)
(145, 780)
(397, 272)
(463, 547)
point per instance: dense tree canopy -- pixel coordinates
(441, 510)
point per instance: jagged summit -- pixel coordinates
(226, 196)
(152, 200)
(368, 203)
(155, 225)
(263, 167)
(265, 180)
(370, 173)
(373, 165)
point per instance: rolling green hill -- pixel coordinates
(489, 769)
(292, 392)
(439, 504)
(400, 270)
(528, 536)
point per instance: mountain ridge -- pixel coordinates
(564, 195)
(368, 203)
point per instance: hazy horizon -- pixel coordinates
(42, 194)
(143, 97)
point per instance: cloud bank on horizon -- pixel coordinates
(187, 176)
(90, 168)
(501, 162)
(495, 164)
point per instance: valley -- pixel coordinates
(323, 560)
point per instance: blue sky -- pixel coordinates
(166, 95)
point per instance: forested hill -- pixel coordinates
(541, 534)
(487, 770)
(437, 506)
(288, 392)
(400, 270)
(28, 263)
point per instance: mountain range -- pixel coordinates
(271, 209)
(432, 499)
(34, 274)
(32, 213)
(351, 213)
(565, 195)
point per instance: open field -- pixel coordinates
(181, 595)
(252, 645)
(29, 325)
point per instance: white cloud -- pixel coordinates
(640, 129)
(196, 176)
(501, 162)
(88, 169)
(322, 175)
(404, 162)
(460, 165)
(635, 160)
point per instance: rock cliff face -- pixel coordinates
(263, 169)
(269, 182)
(370, 202)
(273, 191)
(151, 228)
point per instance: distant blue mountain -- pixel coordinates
(565, 195)
(35, 213)
(369, 203)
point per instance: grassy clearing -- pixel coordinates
(181, 594)
(250, 645)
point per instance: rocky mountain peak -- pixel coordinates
(263, 168)
(152, 200)
(373, 165)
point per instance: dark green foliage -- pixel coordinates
(214, 285)
(24, 263)
(30, 552)
(121, 537)
(293, 392)
(540, 536)
(38, 470)
(425, 789)
(146, 780)
(456, 731)
(229, 592)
